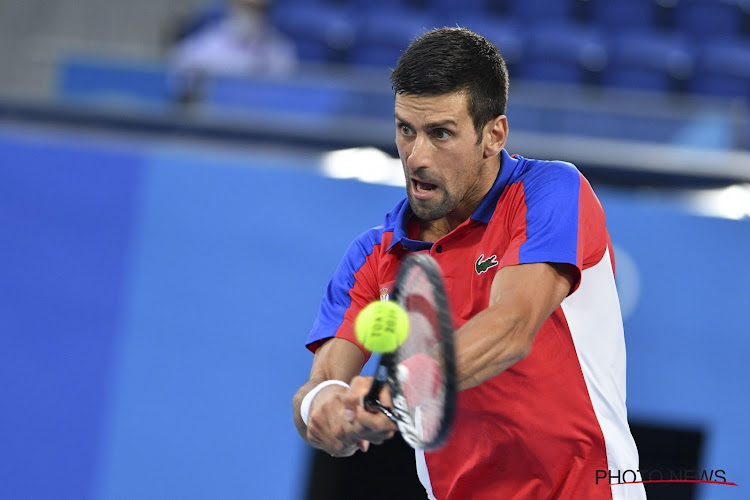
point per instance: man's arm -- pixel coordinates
(336, 359)
(521, 298)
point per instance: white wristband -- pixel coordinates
(304, 408)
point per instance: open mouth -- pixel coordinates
(422, 187)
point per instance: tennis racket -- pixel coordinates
(420, 374)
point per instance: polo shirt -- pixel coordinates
(546, 425)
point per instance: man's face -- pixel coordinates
(446, 173)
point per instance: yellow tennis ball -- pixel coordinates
(382, 326)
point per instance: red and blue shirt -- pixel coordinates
(544, 426)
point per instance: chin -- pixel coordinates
(433, 212)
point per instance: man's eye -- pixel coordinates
(441, 133)
(405, 129)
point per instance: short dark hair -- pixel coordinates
(447, 60)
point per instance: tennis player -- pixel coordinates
(529, 272)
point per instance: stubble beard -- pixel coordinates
(430, 210)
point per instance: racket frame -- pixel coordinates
(385, 374)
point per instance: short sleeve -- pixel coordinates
(352, 287)
(555, 218)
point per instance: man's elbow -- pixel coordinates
(520, 351)
(523, 339)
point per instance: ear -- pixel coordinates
(494, 135)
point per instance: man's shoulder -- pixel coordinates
(382, 234)
(371, 237)
(543, 177)
(533, 169)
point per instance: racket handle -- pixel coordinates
(371, 402)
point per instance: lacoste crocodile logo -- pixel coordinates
(482, 264)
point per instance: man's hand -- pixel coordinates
(329, 424)
(371, 427)
(339, 424)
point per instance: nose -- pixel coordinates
(419, 155)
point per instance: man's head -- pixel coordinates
(447, 60)
(451, 90)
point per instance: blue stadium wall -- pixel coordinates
(155, 298)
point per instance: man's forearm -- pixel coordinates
(487, 345)
(336, 360)
(297, 403)
(522, 298)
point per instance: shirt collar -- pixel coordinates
(486, 208)
(398, 219)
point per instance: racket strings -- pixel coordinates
(419, 358)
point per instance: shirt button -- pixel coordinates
(439, 248)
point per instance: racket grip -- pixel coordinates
(371, 402)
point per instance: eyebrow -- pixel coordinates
(428, 126)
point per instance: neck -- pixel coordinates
(433, 230)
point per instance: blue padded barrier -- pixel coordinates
(109, 79)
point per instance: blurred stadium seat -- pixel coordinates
(650, 61)
(383, 33)
(528, 11)
(446, 11)
(602, 44)
(323, 32)
(639, 44)
(709, 19)
(623, 15)
(562, 53)
(723, 69)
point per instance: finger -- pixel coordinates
(375, 431)
(385, 396)
(333, 446)
(345, 450)
(328, 431)
(374, 436)
(382, 438)
(359, 387)
(374, 421)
